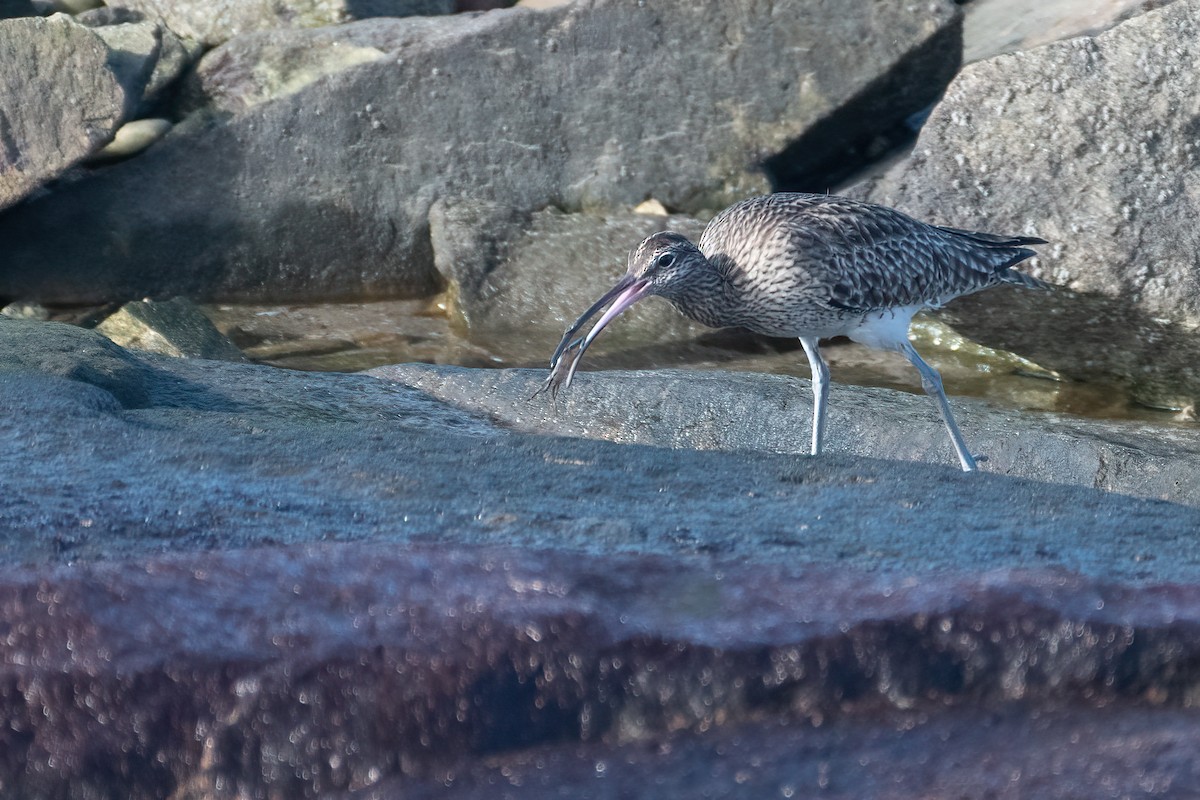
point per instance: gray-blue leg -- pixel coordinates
(933, 387)
(820, 384)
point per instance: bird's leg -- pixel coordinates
(820, 385)
(933, 387)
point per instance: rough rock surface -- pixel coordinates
(772, 413)
(303, 672)
(186, 454)
(325, 192)
(59, 100)
(215, 21)
(171, 328)
(1092, 144)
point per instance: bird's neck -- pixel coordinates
(703, 297)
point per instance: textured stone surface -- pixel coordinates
(60, 100)
(1091, 144)
(215, 21)
(170, 328)
(325, 192)
(772, 413)
(301, 672)
(191, 454)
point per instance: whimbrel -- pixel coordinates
(812, 266)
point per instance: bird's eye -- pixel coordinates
(666, 260)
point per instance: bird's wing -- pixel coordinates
(869, 257)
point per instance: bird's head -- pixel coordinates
(665, 261)
(658, 265)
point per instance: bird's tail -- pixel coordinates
(1010, 250)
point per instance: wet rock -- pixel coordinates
(67, 102)
(518, 282)
(1091, 144)
(325, 191)
(303, 672)
(213, 22)
(173, 327)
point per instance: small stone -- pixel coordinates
(172, 328)
(131, 139)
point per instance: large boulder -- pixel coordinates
(324, 190)
(1094, 145)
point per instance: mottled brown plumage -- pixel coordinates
(812, 266)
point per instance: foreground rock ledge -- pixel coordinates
(291, 672)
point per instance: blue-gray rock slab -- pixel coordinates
(115, 454)
(324, 190)
(1092, 144)
(739, 411)
(377, 671)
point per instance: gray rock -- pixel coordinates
(173, 327)
(325, 192)
(519, 282)
(215, 21)
(772, 413)
(1091, 144)
(60, 99)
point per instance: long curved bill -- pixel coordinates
(628, 291)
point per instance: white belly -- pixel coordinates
(884, 330)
